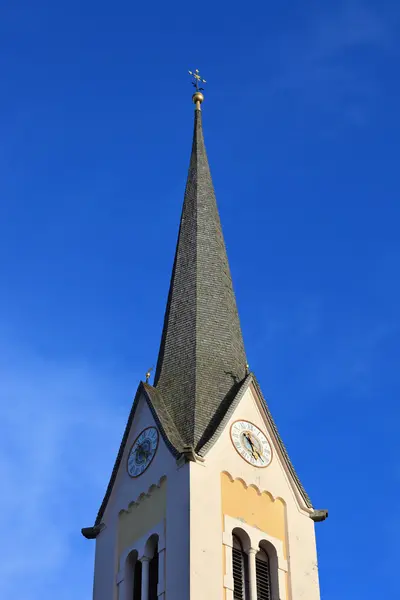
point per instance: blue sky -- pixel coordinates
(302, 128)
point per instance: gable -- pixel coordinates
(122, 488)
(279, 477)
(125, 488)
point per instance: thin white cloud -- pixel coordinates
(60, 430)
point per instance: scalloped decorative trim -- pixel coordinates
(252, 485)
(143, 495)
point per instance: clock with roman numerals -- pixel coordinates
(142, 451)
(251, 443)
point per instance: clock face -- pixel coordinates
(251, 443)
(142, 452)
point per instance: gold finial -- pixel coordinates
(148, 374)
(197, 96)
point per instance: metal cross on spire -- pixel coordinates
(197, 79)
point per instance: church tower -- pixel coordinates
(203, 502)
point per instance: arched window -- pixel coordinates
(238, 569)
(153, 575)
(263, 575)
(137, 581)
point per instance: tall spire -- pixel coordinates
(201, 361)
(201, 373)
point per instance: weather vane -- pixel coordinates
(148, 374)
(197, 79)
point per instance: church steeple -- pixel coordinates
(203, 500)
(201, 361)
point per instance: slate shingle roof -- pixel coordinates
(201, 359)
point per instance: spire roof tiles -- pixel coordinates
(201, 360)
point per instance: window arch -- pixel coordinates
(135, 571)
(255, 562)
(263, 575)
(142, 567)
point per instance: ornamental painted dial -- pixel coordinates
(251, 443)
(142, 452)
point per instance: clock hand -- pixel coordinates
(248, 438)
(255, 452)
(259, 456)
(141, 450)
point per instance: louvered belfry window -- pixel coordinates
(238, 566)
(263, 576)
